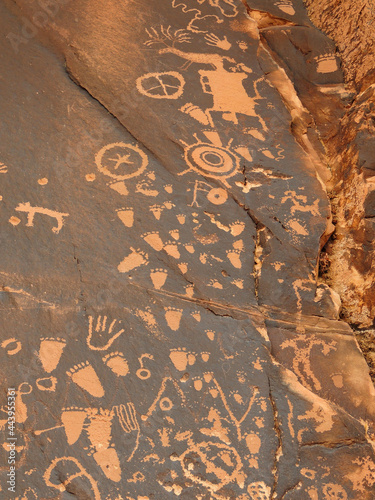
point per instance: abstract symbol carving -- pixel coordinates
(334, 492)
(121, 161)
(17, 347)
(3, 168)
(167, 85)
(143, 373)
(212, 465)
(259, 491)
(54, 471)
(213, 161)
(21, 408)
(216, 196)
(128, 420)
(47, 384)
(180, 36)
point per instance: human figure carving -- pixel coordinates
(226, 87)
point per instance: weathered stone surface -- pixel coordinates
(163, 207)
(350, 153)
(351, 26)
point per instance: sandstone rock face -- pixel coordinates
(350, 154)
(166, 332)
(351, 26)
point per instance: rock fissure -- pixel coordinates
(279, 449)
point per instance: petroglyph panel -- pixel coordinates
(165, 329)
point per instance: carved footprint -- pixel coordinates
(238, 283)
(172, 249)
(73, 419)
(154, 240)
(50, 352)
(126, 215)
(179, 358)
(205, 356)
(196, 315)
(215, 284)
(198, 384)
(158, 277)
(135, 259)
(234, 258)
(237, 227)
(85, 377)
(189, 248)
(189, 290)
(173, 317)
(117, 363)
(175, 233)
(181, 218)
(286, 6)
(210, 334)
(183, 267)
(157, 210)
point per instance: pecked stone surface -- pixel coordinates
(163, 210)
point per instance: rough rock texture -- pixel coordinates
(164, 205)
(351, 156)
(351, 26)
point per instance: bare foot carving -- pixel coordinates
(154, 240)
(117, 363)
(50, 352)
(135, 259)
(179, 358)
(73, 419)
(172, 249)
(85, 377)
(126, 215)
(158, 277)
(173, 317)
(234, 258)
